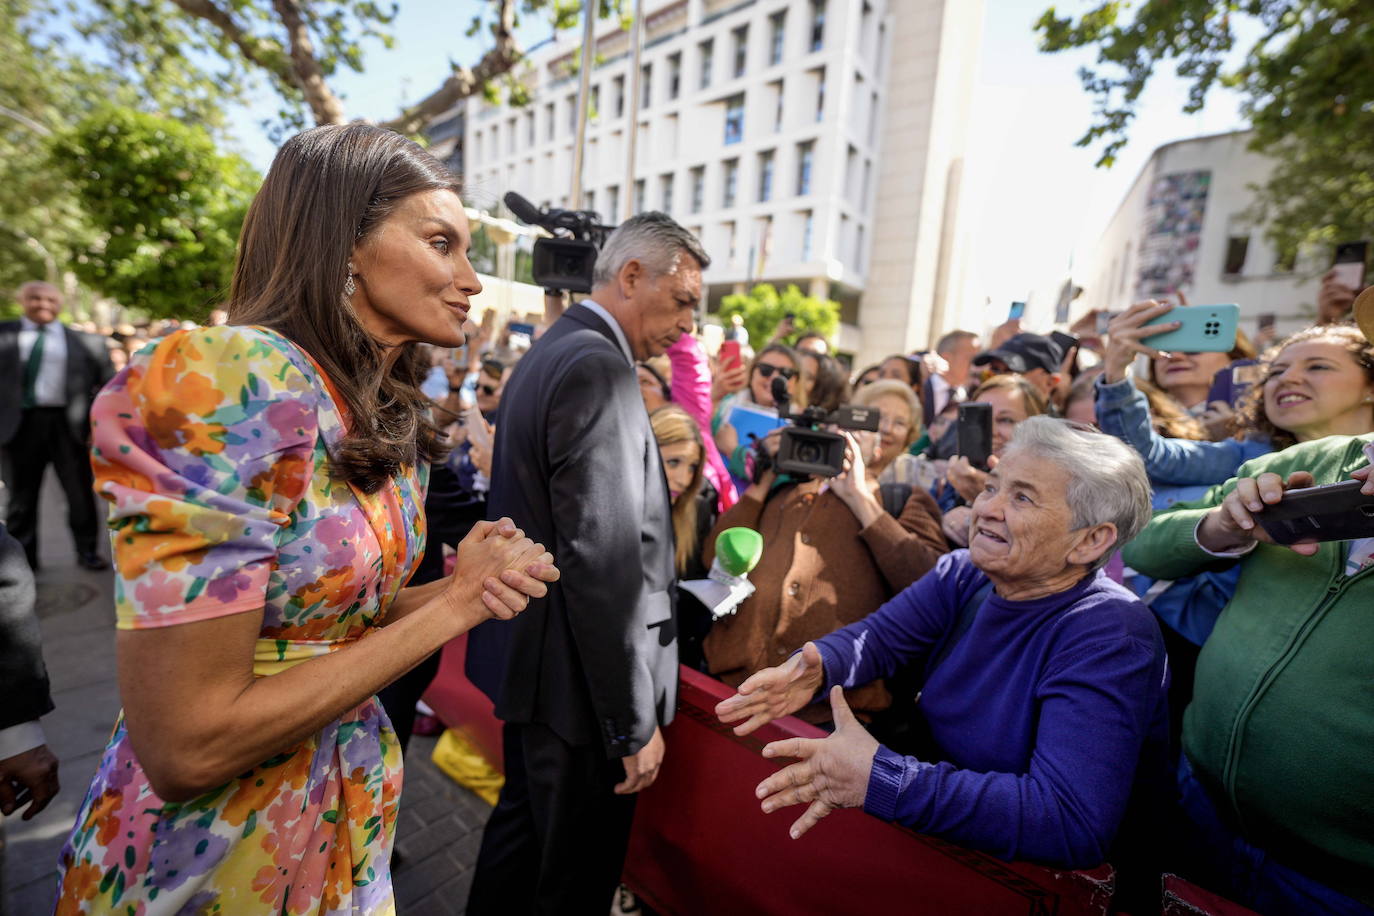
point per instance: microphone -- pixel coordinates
(727, 584)
(779, 390)
(523, 209)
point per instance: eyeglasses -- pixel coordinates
(767, 369)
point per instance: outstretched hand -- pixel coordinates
(832, 772)
(774, 692)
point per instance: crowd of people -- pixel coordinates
(1080, 647)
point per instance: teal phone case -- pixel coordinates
(1205, 329)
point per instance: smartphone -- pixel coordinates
(1267, 321)
(1231, 383)
(1202, 329)
(1017, 311)
(730, 356)
(1349, 264)
(520, 327)
(1336, 512)
(974, 434)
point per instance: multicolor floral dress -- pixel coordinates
(213, 450)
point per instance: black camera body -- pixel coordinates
(804, 450)
(567, 260)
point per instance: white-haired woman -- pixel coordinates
(1027, 649)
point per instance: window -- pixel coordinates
(495, 137)
(639, 195)
(665, 187)
(646, 84)
(589, 201)
(777, 24)
(808, 226)
(705, 58)
(817, 24)
(851, 171)
(727, 198)
(806, 154)
(618, 85)
(859, 248)
(733, 236)
(819, 76)
(594, 107)
(734, 119)
(613, 203)
(873, 118)
(572, 114)
(868, 179)
(549, 121)
(1237, 246)
(510, 134)
(674, 75)
(698, 188)
(765, 176)
(741, 38)
(529, 128)
(776, 88)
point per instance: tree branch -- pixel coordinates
(464, 81)
(257, 51)
(306, 70)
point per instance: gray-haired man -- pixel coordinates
(586, 676)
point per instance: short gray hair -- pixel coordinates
(1107, 479)
(653, 239)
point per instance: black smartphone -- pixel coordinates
(1336, 512)
(974, 432)
(1267, 320)
(1349, 264)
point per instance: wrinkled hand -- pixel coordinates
(727, 381)
(1368, 478)
(832, 773)
(1125, 333)
(1232, 526)
(34, 770)
(497, 571)
(967, 480)
(852, 484)
(774, 692)
(955, 525)
(641, 769)
(1334, 299)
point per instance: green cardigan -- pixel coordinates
(1281, 727)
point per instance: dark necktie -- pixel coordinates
(32, 366)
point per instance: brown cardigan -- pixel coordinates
(818, 572)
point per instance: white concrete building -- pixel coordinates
(816, 142)
(1185, 224)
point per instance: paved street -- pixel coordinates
(440, 823)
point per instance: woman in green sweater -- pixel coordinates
(1277, 775)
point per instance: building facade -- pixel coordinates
(815, 142)
(1185, 224)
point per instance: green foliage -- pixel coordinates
(763, 308)
(168, 206)
(1307, 84)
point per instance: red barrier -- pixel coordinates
(701, 845)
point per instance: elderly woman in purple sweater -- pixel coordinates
(1043, 681)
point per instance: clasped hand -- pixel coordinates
(500, 570)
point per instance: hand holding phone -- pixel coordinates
(1336, 512)
(730, 356)
(1201, 329)
(1017, 311)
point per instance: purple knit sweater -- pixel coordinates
(1049, 713)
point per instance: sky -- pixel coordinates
(1035, 201)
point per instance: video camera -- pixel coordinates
(567, 260)
(806, 451)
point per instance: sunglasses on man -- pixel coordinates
(766, 370)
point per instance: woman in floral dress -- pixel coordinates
(264, 482)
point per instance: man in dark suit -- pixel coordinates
(586, 676)
(28, 770)
(49, 375)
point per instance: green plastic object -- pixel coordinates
(738, 550)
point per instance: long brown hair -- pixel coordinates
(671, 425)
(328, 189)
(1253, 414)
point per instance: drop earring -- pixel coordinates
(349, 287)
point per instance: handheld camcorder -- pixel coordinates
(567, 260)
(807, 451)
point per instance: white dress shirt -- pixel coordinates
(615, 328)
(50, 389)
